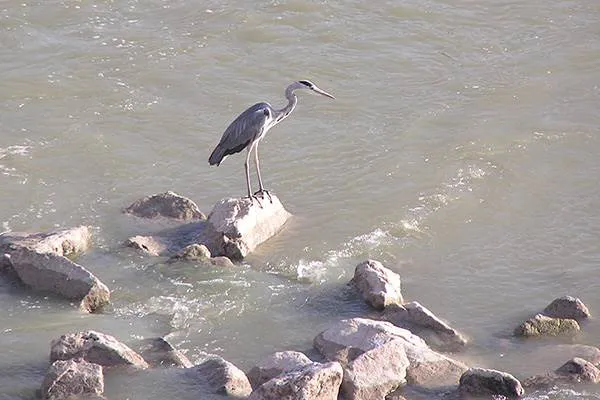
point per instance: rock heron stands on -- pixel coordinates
(251, 126)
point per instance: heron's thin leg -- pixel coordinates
(260, 184)
(246, 166)
(261, 188)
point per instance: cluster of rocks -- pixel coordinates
(402, 343)
(233, 229)
(45, 261)
(360, 358)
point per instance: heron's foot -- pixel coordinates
(264, 192)
(254, 197)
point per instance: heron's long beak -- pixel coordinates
(324, 93)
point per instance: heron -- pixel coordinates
(251, 126)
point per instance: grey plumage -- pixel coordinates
(246, 131)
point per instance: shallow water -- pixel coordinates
(461, 151)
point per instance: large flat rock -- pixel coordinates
(39, 260)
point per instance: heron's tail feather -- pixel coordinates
(217, 156)
(222, 151)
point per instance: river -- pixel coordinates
(461, 151)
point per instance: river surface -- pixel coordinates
(462, 151)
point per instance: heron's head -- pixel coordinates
(311, 86)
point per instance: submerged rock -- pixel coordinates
(540, 325)
(158, 352)
(221, 377)
(567, 307)
(378, 285)
(348, 339)
(97, 348)
(276, 364)
(40, 262)
(576, 370)
(314, 381)
(167, 205)
(193, 252)
(68, 378)
(486, 382)
(221, 261)
(422, 322)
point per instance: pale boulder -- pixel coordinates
(346, 340)
(378, 285)
(97, 348)
(489, 382)
(276, 364)
(312, 382)
(63, 242)
(72, 378)
(376, 373)
(244, 224)
(166, 205)
(220, 377)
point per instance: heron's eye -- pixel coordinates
(306, 83)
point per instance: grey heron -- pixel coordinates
(246, 131)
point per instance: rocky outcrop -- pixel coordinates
(422, 322)
(234, 228)
(97, 348)
(567, 307)
(244, 224)
(276, 364)
(486, 382)
(166, 205)
(313, 382)
(540, 325)
(376, 373)
(74, 377)
(158, 352)
(574, 371)
(220, 377)
(40, 262)
(348, 339)
(378, 285)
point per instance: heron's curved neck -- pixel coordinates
(292, 100)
